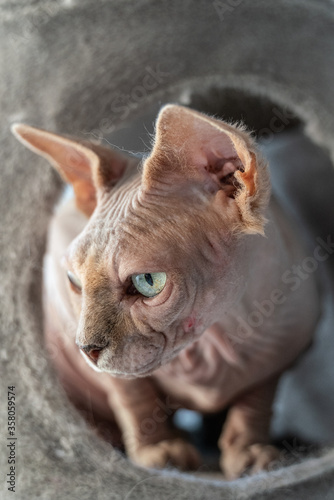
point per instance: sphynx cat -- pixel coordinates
(173, 276)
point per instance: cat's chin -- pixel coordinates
(146, 371)
(134, 375)
(131, 376)
(141, 372)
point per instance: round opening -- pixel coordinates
(303, 182)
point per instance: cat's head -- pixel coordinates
(162, 254)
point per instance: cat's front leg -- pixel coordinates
(244, 441)
(143, 417)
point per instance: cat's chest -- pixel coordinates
(203, 375)
(201, 362)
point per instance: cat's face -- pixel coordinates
(146, 279)
(161, 257)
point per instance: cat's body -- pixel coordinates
(201, 367)
(234, 354)
(234, 311)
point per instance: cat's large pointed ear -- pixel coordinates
(87, 166)
(221, 160)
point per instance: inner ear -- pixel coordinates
(222, 165)
(194, 149)
(90, 168)
(192, 146)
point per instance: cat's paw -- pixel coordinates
(175, 452)
(248, 459)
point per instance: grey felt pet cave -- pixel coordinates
(80, 67)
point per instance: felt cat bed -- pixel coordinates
(88, 68)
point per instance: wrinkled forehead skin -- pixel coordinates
(134, 231)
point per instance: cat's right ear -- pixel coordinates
(89, 167)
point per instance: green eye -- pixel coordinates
(75, 282)
(149, 284)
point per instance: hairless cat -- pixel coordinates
(172, 275)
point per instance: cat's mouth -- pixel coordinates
(136, 357)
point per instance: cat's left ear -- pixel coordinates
(89, 167)
(195, 152)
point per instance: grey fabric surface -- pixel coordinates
(81, 68)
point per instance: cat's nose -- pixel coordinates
(92, 351)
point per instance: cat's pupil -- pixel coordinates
(149, 279)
